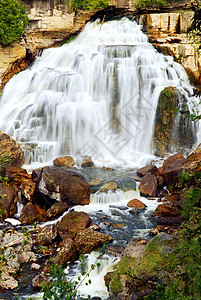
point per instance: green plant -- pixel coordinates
(90, 4)
(13, 21)
(152, 3)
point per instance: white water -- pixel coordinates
(95, 96)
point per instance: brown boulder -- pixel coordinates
(168, 214)
(196, 154)
(148, 185)
(16, 176)
(46, 234)
(57, 210)
(73, 222)
(30, 213)
(65, 161)
(8, 202)
(28, 190)
(67, 253)
(136, 204)
(109, 186)
(61, 184)
(87, 162)
(37, 280)
(143, 171)
(10, 152)
(86, 240)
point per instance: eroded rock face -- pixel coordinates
(10, 152)
(86, 240)
(7, 202)
(73, 222)
(46, 234)
(173, 128)
(60, 184)
(67, 253)
(148, 185)
(56, 210)
(30, 213)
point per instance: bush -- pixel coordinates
(90, 4)
(13, 21)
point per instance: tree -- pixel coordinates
(13, 21)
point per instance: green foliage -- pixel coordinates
(90, 4)
(152, 3)
(13, 21)
(196, 24)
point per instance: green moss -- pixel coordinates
(115, 284)
(126, 265)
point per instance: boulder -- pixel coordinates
(46, 234)
(168, 214)
(56, 210)
(16, 176)
(28, 190)
(61, 184)
(65, 161)
(73, 222)
(30, 213)
(87, 240)
(37, 280)
(135, 203)
(148, 185)
(87, 162)
(10, 152)
(8, 202)
(143, 171)
(67, 253)
(109, 186)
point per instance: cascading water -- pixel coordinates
(95, 96)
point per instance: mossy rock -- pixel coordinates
(173, 129)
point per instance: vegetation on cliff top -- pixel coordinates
(90, 4)
(13, 21)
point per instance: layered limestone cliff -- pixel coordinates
(168, 32)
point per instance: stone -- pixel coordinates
(87, 162)
(61, 184)
(46, 234)
(135, 203)
(56, 210)
(67, 253)
(94, 226)
(72, 223)
(195, 155)
(7, 281)
(28, 190)
(30, 213)
(87, 240)
(35, 266)
(8, 202)
(118, 226)
(65, 161)
(168, 214)
(10, 152)
(143, 171)
(148, 185)
(109, 186)
(37, 280)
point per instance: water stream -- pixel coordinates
(96, 96)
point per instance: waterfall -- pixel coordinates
(96, 96)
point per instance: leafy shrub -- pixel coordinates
(152, 3)
(13, 21)
(90, 4)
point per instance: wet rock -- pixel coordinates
(36, 174)
(135, 203)
(107, 223)
(87, 162)
(10, 152)
(148, 185)
(8, 202)
(119, 226)
(7, 281)
(56, 210)
(109, 186)
(16, 176)
(66, 161)
(143, 171)
(168, 214)
(157, 230)
(46, 234)
(67, 253)
(30, 213)
(28, 190)
(195, 155)
(134, 249)
(87, 240)
(35, 266)
(73, 222)
(94, 226)
(37, 280)
(95, 181)
(60, 184)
